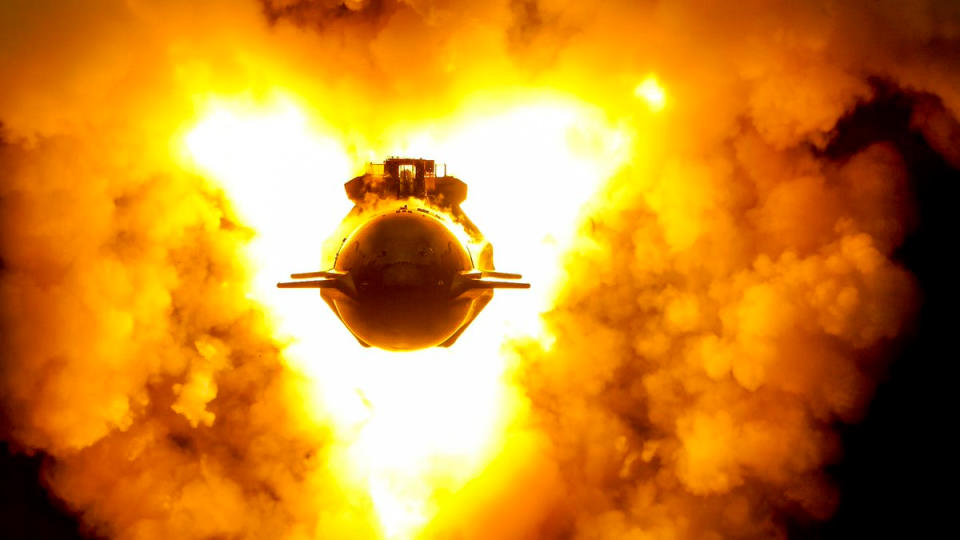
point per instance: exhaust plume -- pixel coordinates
(715, 285)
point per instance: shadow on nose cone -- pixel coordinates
(403, 265)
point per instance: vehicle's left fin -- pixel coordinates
(319, 274)
(329, 279)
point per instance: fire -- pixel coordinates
(698, 192)
(409, 425)
(650, 91)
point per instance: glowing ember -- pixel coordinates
(651, 92)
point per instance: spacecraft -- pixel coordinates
(402, 278)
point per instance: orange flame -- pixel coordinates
(714, 284)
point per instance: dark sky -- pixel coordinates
(892, 478)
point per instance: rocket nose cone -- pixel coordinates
(403, 250)
(403, 322)
(405, 275)
(403, 237)
(403, 265)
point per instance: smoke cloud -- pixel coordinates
(730, 293)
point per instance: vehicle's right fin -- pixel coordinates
(474, 281)
(475, 274)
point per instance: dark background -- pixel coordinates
(892, 477)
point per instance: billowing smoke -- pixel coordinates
(728, 293)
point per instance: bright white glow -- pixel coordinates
(408, 424)
(650, 91)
